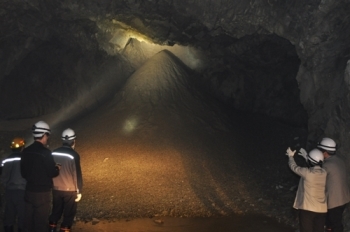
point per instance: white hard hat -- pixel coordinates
(315, 156)
(40, 128)
(327, 144)
(68, 134)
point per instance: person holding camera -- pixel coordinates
(68, 185)
(310, 200)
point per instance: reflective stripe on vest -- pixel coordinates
(63, 154)
(10, 160)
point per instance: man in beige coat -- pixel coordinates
(310, 199)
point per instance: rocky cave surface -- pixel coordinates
(254, 51)
(287, 60)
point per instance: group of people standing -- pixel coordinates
(38, 181)
(323, 191)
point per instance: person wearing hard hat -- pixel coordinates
(337, 189)
(14, 185)
(68, 186)
(38, 168)
(310, 200)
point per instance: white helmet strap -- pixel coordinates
(325, 146)
(66, 137)
(34, 128)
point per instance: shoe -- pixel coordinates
(65, 229)
(52, 226)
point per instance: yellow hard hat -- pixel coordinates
(17, 142)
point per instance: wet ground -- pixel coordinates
(250, 223)
(166, 224)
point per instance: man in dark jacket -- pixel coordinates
(14, 185)
(337, 190)
(68, 185)
(38, 168)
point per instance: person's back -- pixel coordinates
(68, 159)
(38, 167)
(311, 190)
(11, 176)
(337, 186)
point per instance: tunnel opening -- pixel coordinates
(257, 73)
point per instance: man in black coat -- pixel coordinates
(38, 168)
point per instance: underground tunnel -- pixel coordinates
(181, 110)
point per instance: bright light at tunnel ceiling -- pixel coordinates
(190, 56)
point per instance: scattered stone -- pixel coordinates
(95, 221)
(158, 221)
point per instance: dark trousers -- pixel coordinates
(14, 207)
(64, 204)
(311, 221)
(334, 219)
(37, 209)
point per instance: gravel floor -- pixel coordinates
(197, 172)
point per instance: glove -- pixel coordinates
(303, 153)
(289, 152)
(78, 197)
